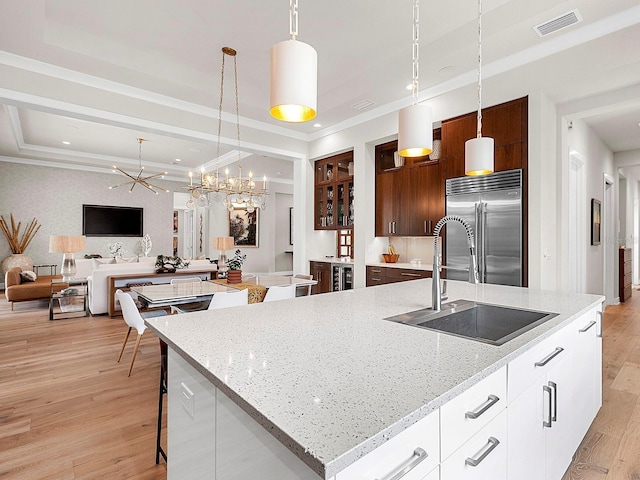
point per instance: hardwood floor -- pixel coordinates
(68, 410)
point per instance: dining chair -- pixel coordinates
(133, 319)
(229, 299)
(303, 290)
(280, 293)
(221, 300)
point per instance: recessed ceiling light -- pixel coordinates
(66, 142)
(317, 125)
(178, 160)
(409, 87)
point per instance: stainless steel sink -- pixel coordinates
(483, 322)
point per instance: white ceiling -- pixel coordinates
(124, 56)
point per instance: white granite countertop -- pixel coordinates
(410, 266)
(332, 380)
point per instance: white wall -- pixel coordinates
(283, 260)
(599, 160)
(630, 220)
(55, 196)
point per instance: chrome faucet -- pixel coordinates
(436, 292)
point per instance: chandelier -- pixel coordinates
(139, 179)
(233, 190)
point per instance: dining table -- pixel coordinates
(166, 294)
(259, 284)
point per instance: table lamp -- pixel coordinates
(223, 244)
(67, 245)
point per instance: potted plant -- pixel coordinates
(166, 264)
(234, 275)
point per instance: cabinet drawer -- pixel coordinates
(467, 413)
(628, 267)
(524, 370)
(399, 452)
(407, 273)
(483, 457)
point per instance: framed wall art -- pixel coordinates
(595, 222)
(243, 227)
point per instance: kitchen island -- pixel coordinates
(333, 383)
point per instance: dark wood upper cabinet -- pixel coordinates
(333, 192)
(410, 199)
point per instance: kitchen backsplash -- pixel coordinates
(411, 248)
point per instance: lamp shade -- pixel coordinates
(223, 243)
(478, 156)
(66, 243)
(415, 131)
(293, 81)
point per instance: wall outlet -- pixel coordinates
(188, 400)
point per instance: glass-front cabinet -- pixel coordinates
(334, 192)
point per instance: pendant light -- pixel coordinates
(293, 76)
(478, 152)
(415, 123)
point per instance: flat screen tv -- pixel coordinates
(106, 221)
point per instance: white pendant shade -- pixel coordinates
(415, 131)
(294, 84)
(478, 156)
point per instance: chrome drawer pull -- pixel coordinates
(490, 402)
(589, 325)
(404, 274)
(376, 279)
(549, 357)
(418, 456)
(547, 423)
(599, 335)
(484, 451)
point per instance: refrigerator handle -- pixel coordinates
(483, 226)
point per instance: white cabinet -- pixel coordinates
(548, 420)
(463, 416)
(415, 451)
(587, 366)
(482, 457)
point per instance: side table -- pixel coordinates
(68, 299)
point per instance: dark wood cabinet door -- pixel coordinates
(321, 272)
(456, 132)
(507, 157)
(386, 202)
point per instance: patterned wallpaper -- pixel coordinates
(54, 196)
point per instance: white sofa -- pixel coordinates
(98, 281)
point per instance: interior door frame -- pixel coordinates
(608, 240)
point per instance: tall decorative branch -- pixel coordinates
(19, 244)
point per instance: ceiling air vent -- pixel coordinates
(558, 23)
(363, 104)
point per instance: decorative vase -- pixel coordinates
(16, 260)
(234, 276)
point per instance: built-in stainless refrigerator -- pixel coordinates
(492, 204)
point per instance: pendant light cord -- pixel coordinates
(293, 19)
(416, 52)
(479, 68)
(231, 52)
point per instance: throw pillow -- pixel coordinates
(102, 261)
(28, 276)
